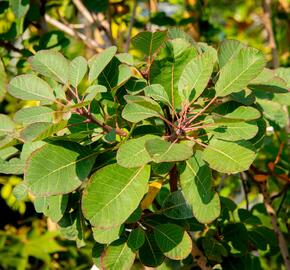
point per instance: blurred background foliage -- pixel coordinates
(74, 27)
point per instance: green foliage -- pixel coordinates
(131, 155)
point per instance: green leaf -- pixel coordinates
(30, 87)
(13, 166)
(148, 42)
(214, 250)
(51, 64)
(169, 65)
(114, 75)
(157, 92)
(77, 70)
(258, 140)
(247, 217)
(20, 191)
(239, 71)
(229, 157)
(195, 77)
(228, 50)
(57, 205)
(136, 239)
(232, 130)
(173, 241)
(177, 33)
(19, 7)
(209, 50)
(139, 108)
(40, 131)
(118, 256)
(8, 152)
(132, 153)
(106, 236)
(41, 204)
(237, 234)
(6, 125)
(135, 85)
(135, 216)
(113, 193)
(284, 73)
(262, 236)
(93, 91)
(274, 112)
(245, 97)
(72, 227)
(234, 110)
(35, 114)
(163, 151)
(58, 168)
(3, 81)
(125, 58)
(176, 207)
(100, 61)
(149, 253)
(30, 147)
(196, 183)
(97, 251)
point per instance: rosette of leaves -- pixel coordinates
(128, 152)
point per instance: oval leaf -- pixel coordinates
(140, 108)
(228, 50)
(113, 193)
(117, 256)
(132, 153)
(106, 236)
(148, 42)
(136, 238)
(100, 61)
(35, 114)
(239, 72)
(176, 207)
(58, 168)
(30, 87)
(232, 130)
(162, 151)
(77, 70)
(51, 64)
(173, 241)
(195, 77)
(196, 183)
(150, 254)
(229, 157)
(157, 92)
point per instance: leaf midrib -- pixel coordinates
(120, 192)
(233, 81)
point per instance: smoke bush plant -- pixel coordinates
(128, 152)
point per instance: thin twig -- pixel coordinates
(92, 44)
(191, 119)
(132, 19)
(81, 7)
(9, 46)
(196, 141)
(199, 257)
(105, 127)
(199, 127)
(267, 17)
(173, 179)
(167, 122)
(271, 212)
(245, 188)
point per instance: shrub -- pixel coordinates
(132, 152)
